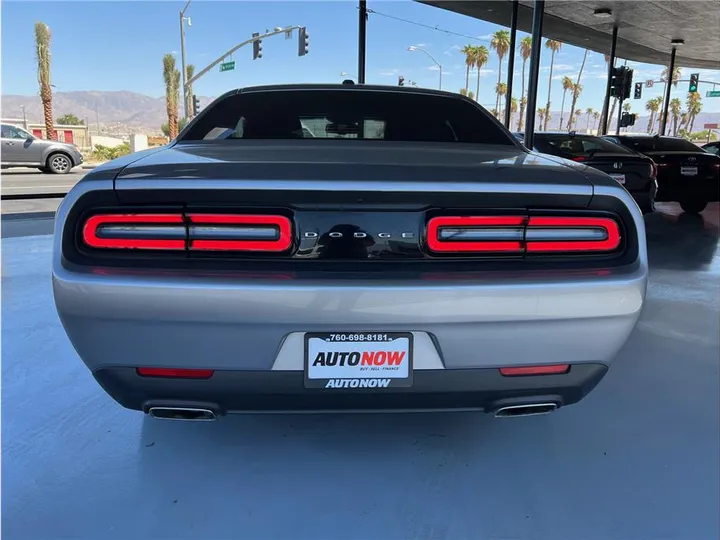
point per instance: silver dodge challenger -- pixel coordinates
(347, 247)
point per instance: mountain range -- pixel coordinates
(129, 112)
(134, 112)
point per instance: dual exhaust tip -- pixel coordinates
(183, 413)
(526, 409)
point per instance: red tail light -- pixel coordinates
(175, 373)
(194, 232)
(535, 370)
(578, 158)
(135, 231)
(522, 234)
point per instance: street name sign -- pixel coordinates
(227, 66)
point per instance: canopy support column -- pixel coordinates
(605, 121)
(538, 12)
(362, 31)
(511, 63)
(668, 86)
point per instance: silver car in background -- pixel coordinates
(412, 255)
(22, 149)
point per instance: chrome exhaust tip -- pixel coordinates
(527, 409)
(182, 413)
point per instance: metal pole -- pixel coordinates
(538, 12)
(606, 103)
(440, 77)
(182, 56)
(668, 87)
(511, 63)
(620, 111)
(362, 31)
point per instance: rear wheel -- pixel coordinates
(693, 206)
(43, 169)
(59, 163)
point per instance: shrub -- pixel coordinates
(106, 153)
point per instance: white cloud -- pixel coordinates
(420, 45)
(389, 72)
(486, 37)
(561, 67)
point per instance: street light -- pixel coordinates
(183, 18)
(346, 74)
(414, 48)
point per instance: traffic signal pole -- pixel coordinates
(182, 56)
(606, 103)
(668, 86)
(235, 48)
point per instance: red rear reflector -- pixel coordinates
(499, 226)
(578, 158)
(238, 224)
(132, 240)
(175, 373)
(535, 370)
(611, 242)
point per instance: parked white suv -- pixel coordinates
(21, 149)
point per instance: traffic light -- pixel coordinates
(401, 80)
(195, 105)
(638, 90)
(257, 46)
(627, 83)
(616, 81)
(694, 82)
(627, 119)
(303, 41)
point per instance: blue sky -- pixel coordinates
(102, 45)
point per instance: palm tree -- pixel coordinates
(577, 89)
(501, 43)
(500, 90)
(525, 49)
(42, 49)
(694, 106)
(513, 108)
(567, 84)
(675, 106)
(189, 74)
(469, 51)
(554, 46)
(651, 106)
(589, 111)
(676, 75)
(578, 114)
(470, 94)
(482, 55)
(627, 106)
(541, 114)
(172, 88)
(596, 117)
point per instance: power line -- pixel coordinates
(436, 28)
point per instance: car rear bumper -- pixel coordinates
(679, 189)
(283, 391)
(491, 320)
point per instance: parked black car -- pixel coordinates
(636, 172)
(713, 147)
(686, 173)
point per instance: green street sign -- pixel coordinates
(227, 66)
(712, 93)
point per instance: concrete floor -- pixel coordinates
(636, 460)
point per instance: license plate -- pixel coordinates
(688, 171)
(358, 360)
(618, 178)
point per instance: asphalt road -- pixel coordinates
(31, 181)
(635, 460)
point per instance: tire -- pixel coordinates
(693, 206)
(43, 170)
(59, 163)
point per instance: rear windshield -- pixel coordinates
(347, 114)
(648, 144)
(574, 145)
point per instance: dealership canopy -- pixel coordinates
(645, 27)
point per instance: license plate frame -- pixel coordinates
(689, 171)
(377, 377)
(619, 178)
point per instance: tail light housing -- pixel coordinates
(188, 232)
(523, 234)
(653, 170)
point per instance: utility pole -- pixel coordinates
(182, 55)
